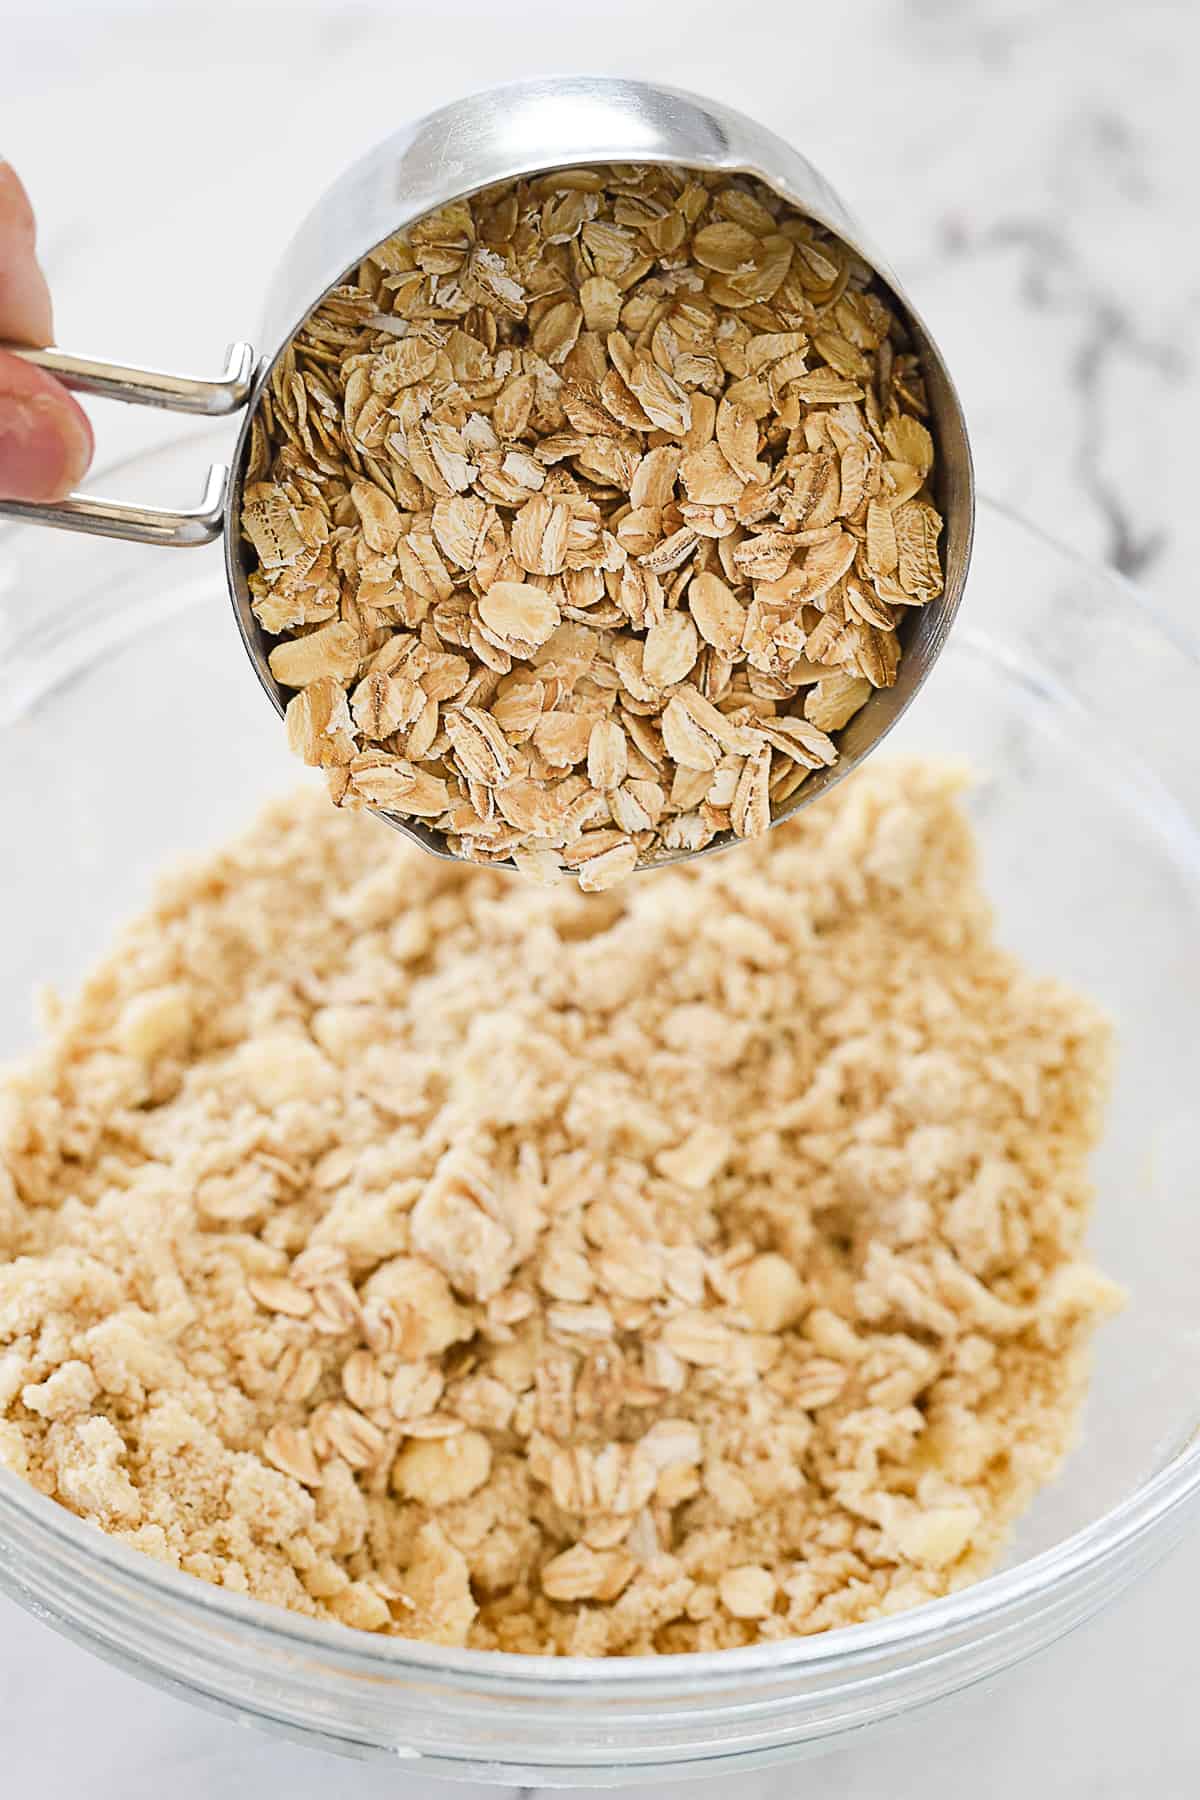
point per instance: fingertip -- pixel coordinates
(79, 442)
(46, 442)
(25, 310)
(16, 208)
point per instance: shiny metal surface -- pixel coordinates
(209, 399)
(546, 124)
(174, 529)
(179, 529)
(550, 123)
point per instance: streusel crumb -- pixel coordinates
(513, 1267)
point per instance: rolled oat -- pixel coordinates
(587, 513)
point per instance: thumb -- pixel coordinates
(45, 438)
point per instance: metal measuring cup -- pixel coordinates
(505, 133)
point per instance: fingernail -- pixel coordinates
(45, 446)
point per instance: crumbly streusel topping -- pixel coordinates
(511, 1267)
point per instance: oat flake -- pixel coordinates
(563, 461)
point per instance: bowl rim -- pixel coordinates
(840, 1650)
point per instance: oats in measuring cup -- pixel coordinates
(589, 514)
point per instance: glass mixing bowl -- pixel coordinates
(132, 728)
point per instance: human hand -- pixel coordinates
(45, 438)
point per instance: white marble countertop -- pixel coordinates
(1029, 167)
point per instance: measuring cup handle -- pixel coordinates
(142, 387)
